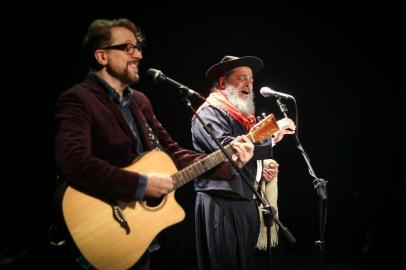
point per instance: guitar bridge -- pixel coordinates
(118, 215)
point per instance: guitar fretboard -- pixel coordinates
(208, 162)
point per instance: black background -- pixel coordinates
(341, 61)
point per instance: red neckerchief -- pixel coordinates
(218, 99)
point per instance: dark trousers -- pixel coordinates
(226, 232)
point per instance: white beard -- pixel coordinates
(246, 106)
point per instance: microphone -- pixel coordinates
(266, 92)
(158, 76)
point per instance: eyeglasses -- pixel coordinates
(127, 47)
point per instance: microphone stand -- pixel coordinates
(269, 212)
(320, 186)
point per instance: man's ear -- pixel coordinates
(100, 56)
(222, 82)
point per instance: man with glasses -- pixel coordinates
(102, 125)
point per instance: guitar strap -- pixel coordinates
(152, 137)
(154, 246)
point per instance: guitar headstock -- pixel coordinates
(264, 129)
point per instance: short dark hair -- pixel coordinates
(99, 36)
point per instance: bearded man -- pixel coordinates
(226, 214)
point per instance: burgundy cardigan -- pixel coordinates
(94, 141)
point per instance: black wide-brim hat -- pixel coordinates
(230, 62)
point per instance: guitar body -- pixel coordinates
(101, 239)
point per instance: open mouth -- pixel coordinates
(134, 66)
(245, 92)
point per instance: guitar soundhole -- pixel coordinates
(153, 202)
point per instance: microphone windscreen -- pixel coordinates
(154, 73)
(265, 91)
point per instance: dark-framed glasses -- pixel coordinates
(127, 47)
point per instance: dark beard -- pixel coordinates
(125, 76)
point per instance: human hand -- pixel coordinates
(271, 170)
(158, 184)
(244, 150)
(286, 126)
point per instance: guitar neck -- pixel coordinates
(208, 162)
